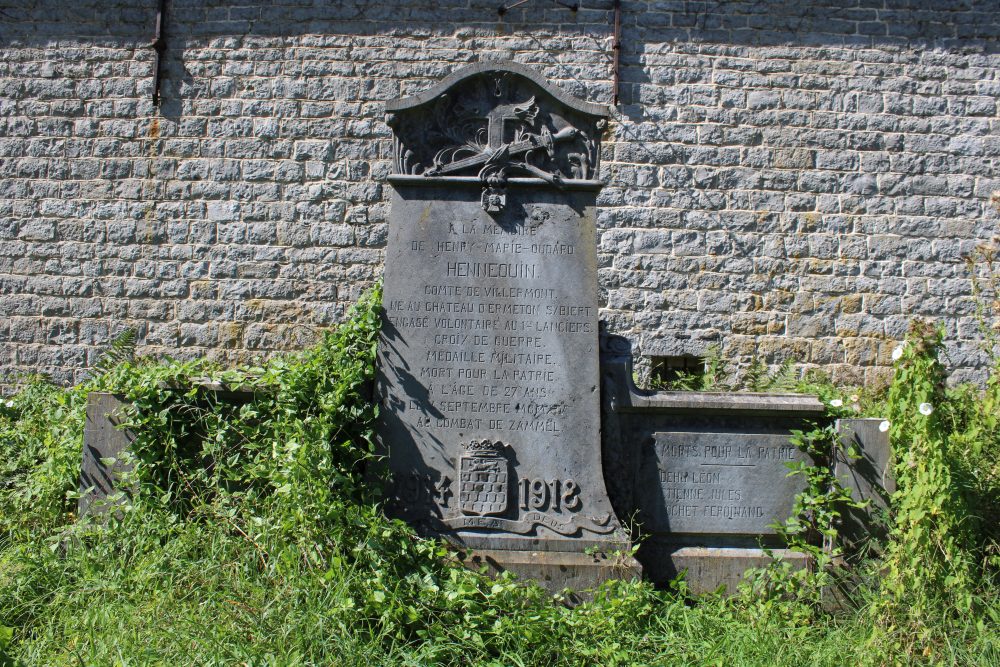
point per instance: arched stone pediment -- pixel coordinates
(494, 121)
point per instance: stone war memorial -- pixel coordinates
(492, 364)
(488, 368)
(509, 422)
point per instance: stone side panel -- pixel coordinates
(786, 179)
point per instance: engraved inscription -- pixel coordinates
(718, 482)
(554, 494)
(508, 368)
(417, 489)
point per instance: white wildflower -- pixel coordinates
(836, 403)
(897, 353)
(883, 425)
(9, 404)
(926, 409)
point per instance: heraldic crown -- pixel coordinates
(485, 447)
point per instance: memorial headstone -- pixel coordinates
(107, 457)
(488, 362)
(862, 463)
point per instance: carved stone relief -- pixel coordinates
(496, 126)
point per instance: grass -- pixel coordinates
(255, 540)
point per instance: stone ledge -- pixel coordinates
(722, 402)
(557, 571)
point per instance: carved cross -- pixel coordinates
(443, 491)
(498, 117)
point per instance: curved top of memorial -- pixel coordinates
(496, 123)
(489, 67)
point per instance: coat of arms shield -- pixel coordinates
(483, 475)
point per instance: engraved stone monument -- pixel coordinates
(488, 363)
(705, 475)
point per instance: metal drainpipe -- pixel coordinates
(160, 47)
(616, 46)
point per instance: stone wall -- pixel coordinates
(786, 179)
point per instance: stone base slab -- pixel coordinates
(557, 571)
(708, 568)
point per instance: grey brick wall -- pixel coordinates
(786, 179)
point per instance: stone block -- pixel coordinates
(863, 464)
(795, 158)
(709, 569)
(223, 211)
(105, 453)
(37, 230)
